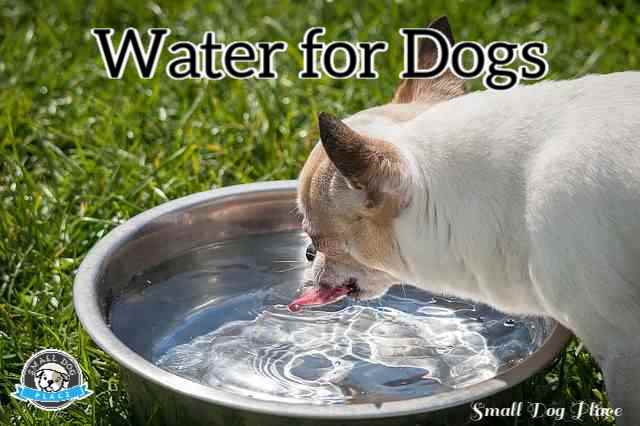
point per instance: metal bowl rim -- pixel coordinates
(88, 311)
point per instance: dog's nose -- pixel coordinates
(311, 252)
(50, 382)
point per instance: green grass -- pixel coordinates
(80, 153)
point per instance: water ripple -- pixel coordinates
(406, 347)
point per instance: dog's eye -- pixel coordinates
(310, 252)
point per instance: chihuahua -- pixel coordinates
(527, 200)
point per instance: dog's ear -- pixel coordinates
(65, 377)
(367, 164)
(446, 86)
(39, 374)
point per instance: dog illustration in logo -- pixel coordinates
(52, 377)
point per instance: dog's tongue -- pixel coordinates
(318, 296)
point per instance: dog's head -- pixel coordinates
(355, 184)
(50, 380)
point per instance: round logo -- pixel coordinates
(51, 380)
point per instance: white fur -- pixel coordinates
(529, 200)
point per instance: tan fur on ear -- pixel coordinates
(443, 87)
(365, 162)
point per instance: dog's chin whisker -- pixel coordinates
(295, 210)
(293, 268)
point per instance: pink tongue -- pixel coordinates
(318, 296)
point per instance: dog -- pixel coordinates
(527, 200)
(51, 377)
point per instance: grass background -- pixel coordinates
(80, 153)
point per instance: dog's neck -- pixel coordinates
(464, 233)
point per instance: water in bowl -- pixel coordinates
(217, 315)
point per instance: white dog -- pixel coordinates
(528, 200)
(52, 377)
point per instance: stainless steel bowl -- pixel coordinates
(159, 397)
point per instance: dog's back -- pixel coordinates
(583, 204)
(546, 178)
(583, 212)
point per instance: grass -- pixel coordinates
(80, 153)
